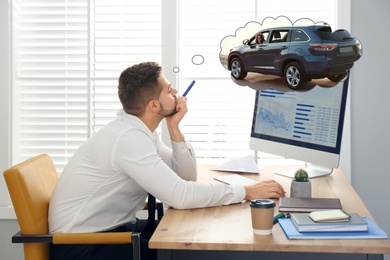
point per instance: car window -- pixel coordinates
(325, 33)
(299, 36)
(279, 36)
(253, 39)
(265, 34)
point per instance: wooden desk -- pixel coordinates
(225, 232)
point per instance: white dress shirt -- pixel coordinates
(107, 180)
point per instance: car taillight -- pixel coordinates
(323, 47)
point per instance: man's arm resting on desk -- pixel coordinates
(268, 189)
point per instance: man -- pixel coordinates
(108, 178)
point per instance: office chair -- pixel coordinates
(30, 185)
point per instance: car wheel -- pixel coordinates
(238, 71)
(294, 76)
(337, 78)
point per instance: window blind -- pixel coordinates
(68, 57)
(50, 88)
(123, 33)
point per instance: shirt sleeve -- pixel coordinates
(181, 158)
(145, 166)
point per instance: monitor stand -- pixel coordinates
(313, 171)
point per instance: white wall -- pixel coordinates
(370, 106)
(4, 97)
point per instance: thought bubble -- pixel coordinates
(253, 27)
(198, 59)
(245, 34)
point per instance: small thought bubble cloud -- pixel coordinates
(197, 59)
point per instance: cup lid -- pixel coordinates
(262, 203)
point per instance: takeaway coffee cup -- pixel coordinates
(262, 211)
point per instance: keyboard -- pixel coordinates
(235, 179)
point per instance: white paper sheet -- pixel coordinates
(245, 164)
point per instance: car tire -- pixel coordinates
(237, 69)
(337, 78)
(294, 76)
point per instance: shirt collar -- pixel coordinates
(123, 115)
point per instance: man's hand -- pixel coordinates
(174, 120)
(269, 189)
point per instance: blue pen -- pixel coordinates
(189, 88)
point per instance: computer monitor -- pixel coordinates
(301, 125)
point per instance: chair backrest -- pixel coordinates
(30, 185)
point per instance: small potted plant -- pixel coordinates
(300, 185)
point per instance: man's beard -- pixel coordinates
(166, 113)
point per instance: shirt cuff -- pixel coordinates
(239, 192)
(181, 147)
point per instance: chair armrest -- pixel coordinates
(19, 238)
(80, 238)
(93, 238)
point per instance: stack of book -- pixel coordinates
(303, 223)
(332, 224)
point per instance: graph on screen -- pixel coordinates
(276, 121)
(302, 125)
(310, 117)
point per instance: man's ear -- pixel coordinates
(154, 105)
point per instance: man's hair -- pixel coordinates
(137, 85)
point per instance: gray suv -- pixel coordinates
(297, 53)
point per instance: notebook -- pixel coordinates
(308, 204)
(336, 215)
(235, 179)
(374, 232)
(303, 223)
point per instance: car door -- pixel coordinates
(250, 56)
(253, 56)
(266, 58)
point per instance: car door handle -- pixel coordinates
(285, 48)
(260, 49)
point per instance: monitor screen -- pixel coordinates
(301, 125)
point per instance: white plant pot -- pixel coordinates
(300, 189)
